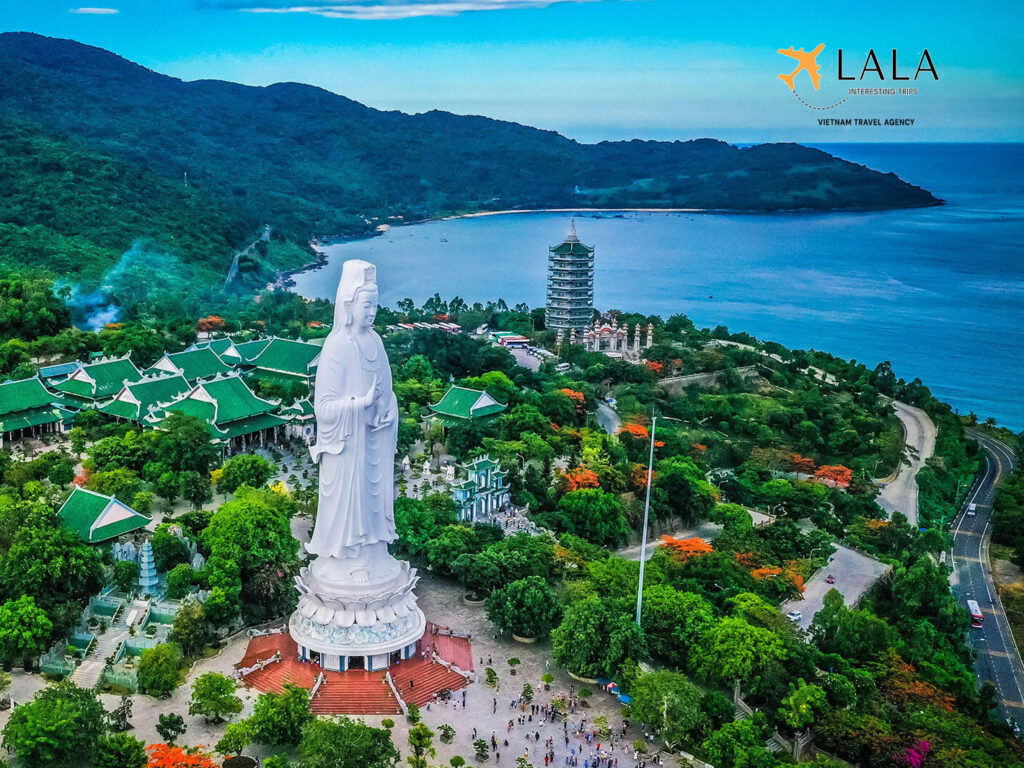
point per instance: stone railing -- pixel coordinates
(316, 686)
(240, 673)
(394, 689)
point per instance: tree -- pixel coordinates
(667, 702)
(686, 492)
(168, 486)
(278, 718)
(674, 622)
(120, 750)
(24, 630)
(245, 469)
(118, 719)
(184, 444)
(481, 750)
(142, 502)
(594, 640)
(125, 574)
(254, 531)
(420, 745)
(159, 669)
(52, 565)
(213, 697)
(59, 727)
(170, 756)
(237, 736)
(852, 633)
(170, 727)
(595, 515)
(802, 705)
(191, 631)
(527, 607)
(739, 744)
(195, 488)
(734, 650)
(169, 549)
(180, 580)
(345, 743)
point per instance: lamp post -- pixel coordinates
(643, 534)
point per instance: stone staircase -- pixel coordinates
(91, 669)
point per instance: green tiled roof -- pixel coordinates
(250, 349)
(33, 417)
(575, 249)
(222, 401)
(302, 409)
(95, 517)
(23, 394)
(222, 347)
(250, 425)
(148, 392)
(99, 381)
(195, 364)
(287, 356)
(461, 403)
(278, 376)
(235, 400)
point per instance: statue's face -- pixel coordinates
(364, 308)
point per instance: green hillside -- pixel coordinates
(107, 155)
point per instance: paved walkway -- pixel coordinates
(900, 495)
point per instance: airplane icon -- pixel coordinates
(807, 63)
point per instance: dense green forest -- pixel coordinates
(102, 154)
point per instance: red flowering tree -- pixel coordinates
(836, 475)
(211, 323)
(580, 477)
(165, 756)
(684, 549)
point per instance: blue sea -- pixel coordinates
(938, 291)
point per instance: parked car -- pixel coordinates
(794, 615)
(830, 579)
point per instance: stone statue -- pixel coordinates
(357, 430)
(355, 599)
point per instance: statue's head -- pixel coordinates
(356, 303)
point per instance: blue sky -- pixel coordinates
(591, 69)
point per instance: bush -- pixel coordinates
(527, 607)
(159, 670)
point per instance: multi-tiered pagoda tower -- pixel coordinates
(570, 307)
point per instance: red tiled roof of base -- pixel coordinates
(454, 650)
(428, 678)
(358, 692)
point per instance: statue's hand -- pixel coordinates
(371, 394)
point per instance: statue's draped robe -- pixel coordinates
(356, 504)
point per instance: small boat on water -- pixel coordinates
(444, 238)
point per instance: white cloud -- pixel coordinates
(94, 11)
(391, 9)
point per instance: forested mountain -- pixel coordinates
(109, 152)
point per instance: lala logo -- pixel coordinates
(807, 61)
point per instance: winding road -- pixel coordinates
(900, 495)
(998, 658)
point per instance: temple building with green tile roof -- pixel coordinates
(224, 347)
(461, 405)
(29, 408)
(250, 349)
(484, 493)
(285, 360)
(237, 418)
(96, 382)
(97, 518)
(303, 420)
(138, 399)
(193, 364)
